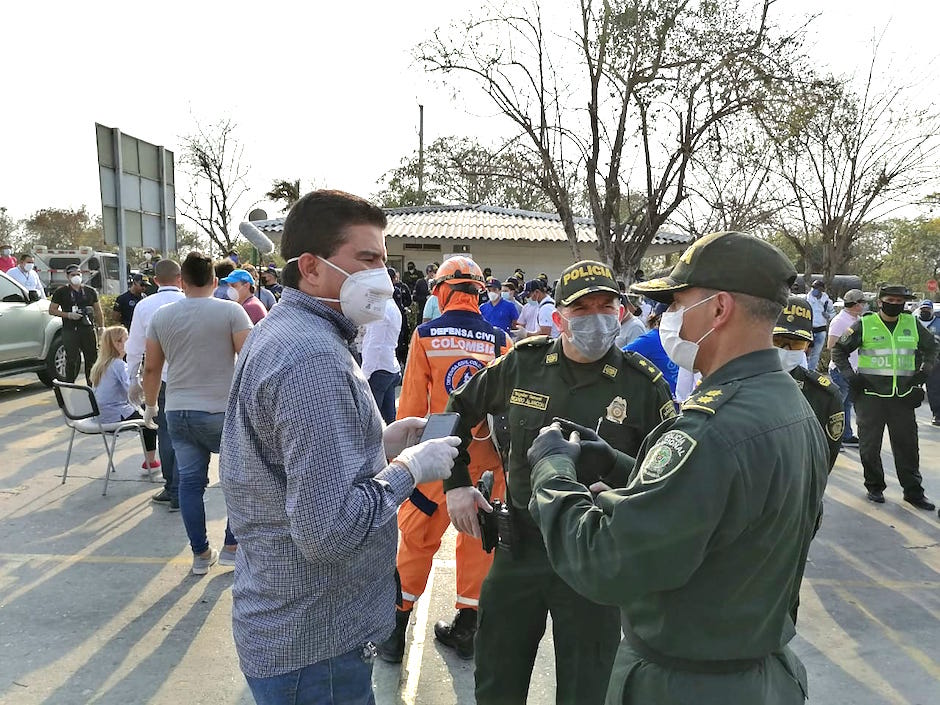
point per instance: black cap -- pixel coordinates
(728, 261)
(819, 284)
(582, 278)
(796, 319)
(535, 285)
(494, 283)
(72, 268)
(896, 290)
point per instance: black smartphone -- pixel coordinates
(440, 425)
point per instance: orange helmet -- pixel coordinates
(459, 270)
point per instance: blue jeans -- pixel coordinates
(165, 448)
(341, 680)
(812, 355)
(843, 386)
(196, 436)
(383, 383)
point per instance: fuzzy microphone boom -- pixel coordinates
(257, 238)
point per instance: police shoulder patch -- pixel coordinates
(667, 410)
(835, 426)
(640, 363)
(666, 456)
(710, 400)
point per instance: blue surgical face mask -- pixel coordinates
(817, 293)
(506, 296)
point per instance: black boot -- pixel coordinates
(392, 649)
(459, 633)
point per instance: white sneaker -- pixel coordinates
(227, 557)
(201, 565)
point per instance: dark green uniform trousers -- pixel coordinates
(516, 597)
(873, 414)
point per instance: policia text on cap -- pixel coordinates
(582, 376)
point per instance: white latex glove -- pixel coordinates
(72, 316)
(431, 460)
(150, 412)
(402, 434)
(135, 393)
(462, 506)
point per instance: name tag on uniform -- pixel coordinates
(533, 400)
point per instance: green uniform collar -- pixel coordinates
(749, 365)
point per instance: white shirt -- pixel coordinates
(546, 309)
(529, 317)
(143, 312)
(29, 279)
(380, 341)
(823, 310)
(841, 323)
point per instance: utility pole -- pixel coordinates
(420, 155)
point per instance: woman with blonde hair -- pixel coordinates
(110, 381)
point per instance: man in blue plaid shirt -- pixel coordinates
(310, 490)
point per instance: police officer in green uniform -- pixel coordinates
(704, 549)
(792, 336)
(894, 358)
(621, 396)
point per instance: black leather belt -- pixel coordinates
(681, 664)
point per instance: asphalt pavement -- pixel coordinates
(97, 603)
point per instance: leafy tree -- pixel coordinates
(914, 257)
(8, 227)
(461, 170)
(286, 191)
(61, 228)
(212, 157)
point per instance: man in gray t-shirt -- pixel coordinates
(198, 337)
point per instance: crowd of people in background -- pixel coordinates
(273, 370)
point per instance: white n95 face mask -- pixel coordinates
(493, 296)
(681, 351)
(76, 280)
(791, 359)
(363, 295)
(231, 293)
(28, 266)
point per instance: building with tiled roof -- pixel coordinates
(499, 238)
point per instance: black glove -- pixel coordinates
(550, 442)
(915, 397)
(919, 378)
(597, 458)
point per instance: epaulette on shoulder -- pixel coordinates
(709, 401)
(821, 380)
(637, 361)
(534, 341)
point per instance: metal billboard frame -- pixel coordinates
(138, 194)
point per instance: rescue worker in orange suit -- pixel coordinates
(445, 352)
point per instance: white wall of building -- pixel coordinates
(501, 256)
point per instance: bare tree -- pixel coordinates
(665, 76)
(212, 157)
(508, 54)
(655, 78)
(849, 153)
(731, 185)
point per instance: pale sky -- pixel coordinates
(321, 91)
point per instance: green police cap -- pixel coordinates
(582, 278)
(896, 290)
(796, 319)
(727, 261)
